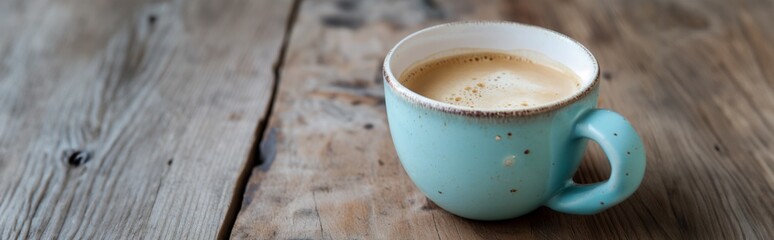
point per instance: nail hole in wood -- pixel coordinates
(77, 158)
(607, 76)
(152, 19)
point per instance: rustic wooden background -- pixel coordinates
(265, 119)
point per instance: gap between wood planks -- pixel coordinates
(254, 156)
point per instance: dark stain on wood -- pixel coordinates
(277, 199)
(357, 84)
(429, 205)
(305, 212)
(347, 5)
(685, 17)
(361, 96)
(268, 150)
(368, 126)
(322, 189)
(349, 21)
(607, 76)
(234, 116)
(151, 19)
(433, 10)
(301, 120)
(169, 162)
(381, 163)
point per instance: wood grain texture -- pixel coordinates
(130, 119)
(694, 78)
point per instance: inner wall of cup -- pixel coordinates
(497, 36)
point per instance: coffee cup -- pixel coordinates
(493, 164)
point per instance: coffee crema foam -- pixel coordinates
(491, 80)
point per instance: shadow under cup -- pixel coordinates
(499, 164)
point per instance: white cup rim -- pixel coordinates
(414, 97)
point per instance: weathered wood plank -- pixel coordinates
(131, 119)
(693, 78)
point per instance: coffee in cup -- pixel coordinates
(486, 79)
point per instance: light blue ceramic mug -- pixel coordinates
(499, 164)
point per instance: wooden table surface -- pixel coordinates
(265, 119)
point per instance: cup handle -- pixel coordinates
(624, 150)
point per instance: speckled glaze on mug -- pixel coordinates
(500, 164)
